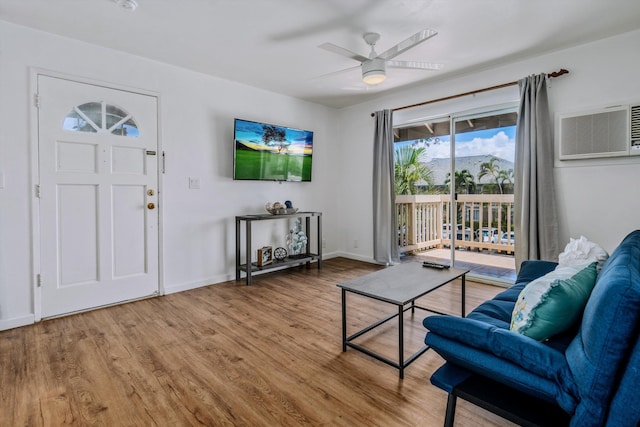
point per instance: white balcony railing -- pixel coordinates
(482, 221)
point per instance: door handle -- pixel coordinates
(151, 206)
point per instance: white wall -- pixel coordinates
(598, 199)
(196, 119)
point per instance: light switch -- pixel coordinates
(194, 183)
(1, 180)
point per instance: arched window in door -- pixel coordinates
(100, 117)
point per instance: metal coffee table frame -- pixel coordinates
(381, 285)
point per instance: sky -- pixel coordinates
(498, 142)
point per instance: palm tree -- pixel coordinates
(409, 171)
(463, 181)
(505, 179)
(492, 169)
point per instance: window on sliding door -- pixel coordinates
(422, 159)
(458, 211)
(484, 147)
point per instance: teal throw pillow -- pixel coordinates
(552, 303)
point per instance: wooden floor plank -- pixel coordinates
(229, 354)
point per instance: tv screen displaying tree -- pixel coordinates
(271, 152)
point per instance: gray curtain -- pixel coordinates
(536, 220)
(385, 229)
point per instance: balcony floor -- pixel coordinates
(493, 266)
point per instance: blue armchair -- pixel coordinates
(585, 376)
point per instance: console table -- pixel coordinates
(250, 267)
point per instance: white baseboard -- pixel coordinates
(172, 289)
(356, 257)
(329, 255)
(17, 322)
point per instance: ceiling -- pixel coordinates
(273, 44)
(425, 130)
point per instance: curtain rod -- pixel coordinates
(473, 92)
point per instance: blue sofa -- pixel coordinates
(586, 376)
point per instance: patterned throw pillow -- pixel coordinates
(552, 303)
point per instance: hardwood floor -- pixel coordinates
(228, 354)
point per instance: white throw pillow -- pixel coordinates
(582, 252)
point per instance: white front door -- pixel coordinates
(98, 195)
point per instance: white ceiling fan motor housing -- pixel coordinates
(374, 68)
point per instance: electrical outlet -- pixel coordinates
(324, 243)
(355, 243)
(194, 183)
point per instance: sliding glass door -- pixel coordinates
(454, 191)
(422, 161)
(483, 171)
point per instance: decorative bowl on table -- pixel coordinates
(278, 208)
(282, 211)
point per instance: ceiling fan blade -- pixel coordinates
(335, 73)
(362, 88)
(416, 65)
(407, 44)
(342, 51)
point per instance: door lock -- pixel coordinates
(150, 192)
(150, 206)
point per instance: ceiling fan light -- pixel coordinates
(374, 72)
(373, 78)
(129, 5)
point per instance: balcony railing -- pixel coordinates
(482, 220)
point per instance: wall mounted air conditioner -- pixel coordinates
(607, 132)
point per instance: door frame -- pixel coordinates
(34, 72)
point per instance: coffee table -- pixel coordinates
(400, 285)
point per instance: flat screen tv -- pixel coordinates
(271, 153)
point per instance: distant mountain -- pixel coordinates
(441, 167)
(243, 146)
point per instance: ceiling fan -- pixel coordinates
(374, 66)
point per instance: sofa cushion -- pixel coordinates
(609, 329)
(532, 269)
(553, 303)
(494, 312)
(486, 328)
(497, 311)
(509, 402)
(520, 350)
(448, 376)
(624, 410)
(510, 371)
